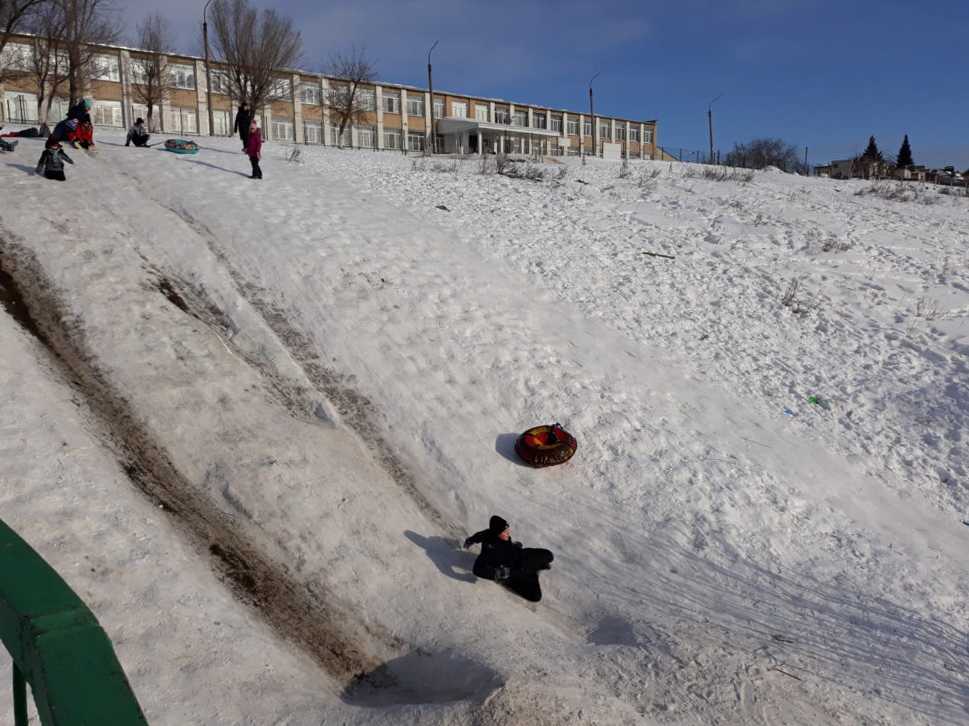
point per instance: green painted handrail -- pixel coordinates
(57, 646)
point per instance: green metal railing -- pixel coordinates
(57, 647)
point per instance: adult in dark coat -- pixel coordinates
(243, 119)
(507, 562)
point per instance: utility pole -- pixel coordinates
(592, 114)
(710, 124)
(208, 72)
(807, 169)
(432, 146)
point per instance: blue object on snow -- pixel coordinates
(789, 412)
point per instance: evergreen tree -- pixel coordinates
(872, 153)
(905, 155)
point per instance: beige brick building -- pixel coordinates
(398, 117)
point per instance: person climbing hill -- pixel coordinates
(507, 562)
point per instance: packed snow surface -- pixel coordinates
(257, 418)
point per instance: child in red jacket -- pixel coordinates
(254, 149)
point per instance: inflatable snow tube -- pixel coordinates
(181, 146)
(546, 445)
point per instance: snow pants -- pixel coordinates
(256, 171)
(524, 578)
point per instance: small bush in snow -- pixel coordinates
(486, 165)
(445, 167)
(789, 299)
(502, 162)
(720, 174)
(624, 171)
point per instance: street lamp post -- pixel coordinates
(592, 114)
(208, 72)
(430, 86)
(710, 124)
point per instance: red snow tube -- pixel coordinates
(546, 445)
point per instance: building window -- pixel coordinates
(280, 89)
(178, 121)
(481, 113)
(633, 133)
(572, 128)
(366, 137)
(415, 142)
(16, 57)
(367, 99)
(21, 107)
(140, 70)
(391, 139)
(415, 106)
(520, 119)
(106, 113)
(459, 110)
(648, 136)
(182, 76)
(221, 123)
(391, 102)
(309, 93)
(603, 130)
(501, 116)
(345, 140)
(281, 129)
(587, 128)
(220, 82)
(541, 119)
(620, 133)
(438, 108)
(312, 133)
(105, 68)
(555, 123)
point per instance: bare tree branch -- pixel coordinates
(150, 71)
(87, 23)
(48, 61)
(353, 69)
(255, 48)
(14, 14)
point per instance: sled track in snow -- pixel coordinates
(354, 409)
(326, 629)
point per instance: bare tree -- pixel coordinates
(48, 61)
(254, 48)
(761, 153)
(150, 85)
(85, 23)
(352, 70)
(13, 15)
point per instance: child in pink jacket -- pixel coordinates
(254, 149)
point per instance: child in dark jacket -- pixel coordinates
(254, 149)
(507, 562)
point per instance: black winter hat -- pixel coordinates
(497, 525)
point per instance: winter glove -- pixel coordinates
(502, 573)
(468, 543)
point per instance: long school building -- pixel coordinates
(397, 117)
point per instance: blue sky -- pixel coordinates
(819, 73)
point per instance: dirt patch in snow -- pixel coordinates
(312, 619)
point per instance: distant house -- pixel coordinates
(913, 173)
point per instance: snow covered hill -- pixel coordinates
(258, 417)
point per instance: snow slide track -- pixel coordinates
(326, 629)
(354, 409)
